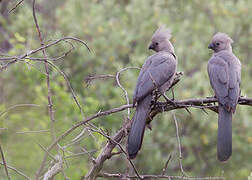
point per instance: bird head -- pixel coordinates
(221, 41)
(160, 40)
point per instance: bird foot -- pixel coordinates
(149, 126)
(172, 94)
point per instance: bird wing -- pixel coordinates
(158, 69)
(225, 81)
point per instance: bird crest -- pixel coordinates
(162, 32)
(223, 37)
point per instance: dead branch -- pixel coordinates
(117, 176)
(15, 106)
(55, 169)
(166, 165)
(100, 131)
(17, 171)
(90, 78)
(201, 103)
(14, 59)
(15, 6)
(105, 154)
(49, 92)
(38, 131)
(4, 163)
(124, 90)
(179, 146)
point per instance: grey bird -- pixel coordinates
(157, 73)
(224, 70)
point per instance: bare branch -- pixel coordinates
(8, 64)
(17, 171)
(124, 90)
(80, 154)
(90, 78)
(4, 163)
(47, 152)
(105, 154)
(55, 169)
(166, 165)
(160, 107)
(49, 97)
(70, 87)
(117, 176)
(44, 47)
(27, 132)
(121, 148)
(17, 105)
(179, 146)
(16, 6)
(166, 106)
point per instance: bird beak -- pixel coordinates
(151, 46)
(211, 46)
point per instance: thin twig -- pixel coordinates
(17, 171)
(8, 64)
(90, 78)
(179, 146)
(4, 163)
(49, 91)
(80, 154)
(33, 66)
(124, 90)
(27, 54)
(115, 153)
(16, 59)
(17, 105)
(28, 132)
(166, 165)
(70, 87)
(54, 58)
(47, 152)
(16, 6)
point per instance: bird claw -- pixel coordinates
(172, 94)
(149, 126)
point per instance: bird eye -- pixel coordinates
(156, 43)
(217, 44)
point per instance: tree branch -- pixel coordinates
(17, 171)
(49, 90)
(201, 103)
(117, 176)
(4, 163)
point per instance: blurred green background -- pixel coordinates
(118, 33)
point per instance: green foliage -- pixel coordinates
(118, 33)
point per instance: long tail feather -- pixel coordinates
(137, 129)
(224, 144)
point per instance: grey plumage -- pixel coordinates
(157, 72)
(224, 70)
